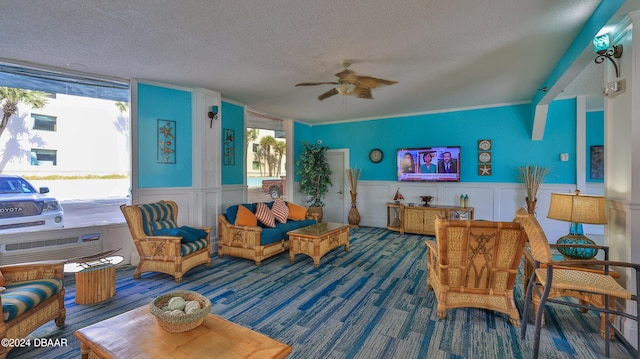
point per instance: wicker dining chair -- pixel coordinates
(553, 277)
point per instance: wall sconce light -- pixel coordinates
(213, 114)
(601, 47)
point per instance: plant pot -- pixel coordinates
(317, 210)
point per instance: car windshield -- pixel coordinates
(15, 185)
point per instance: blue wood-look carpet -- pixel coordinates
(369, 302)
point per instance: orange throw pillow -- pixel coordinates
(296, 212)
(245, 217)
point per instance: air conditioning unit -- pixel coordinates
(49, 249)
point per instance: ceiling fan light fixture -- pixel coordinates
(345, 89)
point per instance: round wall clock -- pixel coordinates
(375, 155)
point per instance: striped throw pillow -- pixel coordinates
(264, 215)
(280, 210)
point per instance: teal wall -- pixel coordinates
(301, 134)
(163, 103)
(233, 119)
(594, 137)
(508, 127)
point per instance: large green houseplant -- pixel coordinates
(315, 175)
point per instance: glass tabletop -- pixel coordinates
(319, 228)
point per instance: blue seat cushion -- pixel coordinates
(291, 225)
(271, 235)
(190, 247)
(18, 298)
(196, 233)
(156, 216)
(188, 234)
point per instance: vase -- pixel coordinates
(318, 211)
(354, 215)
(531, 205)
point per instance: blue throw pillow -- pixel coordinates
(176, 232)
(196, 233)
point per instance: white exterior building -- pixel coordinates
(71, 135)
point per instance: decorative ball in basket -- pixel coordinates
(180, 311)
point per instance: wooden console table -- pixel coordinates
(420, 219)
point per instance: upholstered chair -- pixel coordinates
(162, 245)
(31, 294)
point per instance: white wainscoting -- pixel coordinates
(491, 201)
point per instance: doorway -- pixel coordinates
(335, 207)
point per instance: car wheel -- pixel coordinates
(275, 193)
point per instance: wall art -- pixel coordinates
(229, 147)
(166, 141)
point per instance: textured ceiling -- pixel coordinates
(445, 54)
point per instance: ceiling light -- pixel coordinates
(345, 89)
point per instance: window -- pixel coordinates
(266, 168)
(44, 122)
(41, 157)
(84, 161)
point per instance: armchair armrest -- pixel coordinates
(33, 270)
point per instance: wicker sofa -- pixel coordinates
(256, 242)
(31, 295)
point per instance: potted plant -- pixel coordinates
(532, 177)
(315, 175)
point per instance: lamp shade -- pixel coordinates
(601, 43)
(577, 208)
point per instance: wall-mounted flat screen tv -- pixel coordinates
(433, 164)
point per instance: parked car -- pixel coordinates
(275, 187)
(22, 207)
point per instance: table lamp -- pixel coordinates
(577, 209)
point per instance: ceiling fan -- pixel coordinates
(350, 84)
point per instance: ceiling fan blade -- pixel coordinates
(361, 92)
(316, 83)
(372, 82)
(329, 93)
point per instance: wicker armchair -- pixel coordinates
(43, 283)
(554, 277)
(164, 253)
(474, 264)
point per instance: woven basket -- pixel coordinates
(180, 323)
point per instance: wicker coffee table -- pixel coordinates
(135, 334)
(318, 239)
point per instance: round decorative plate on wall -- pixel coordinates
(484, 157)
(484, 145)
(375, 155)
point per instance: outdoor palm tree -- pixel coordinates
(280, 147)
(11, 97)
(267, 142)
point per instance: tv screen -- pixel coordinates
(434, 164)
